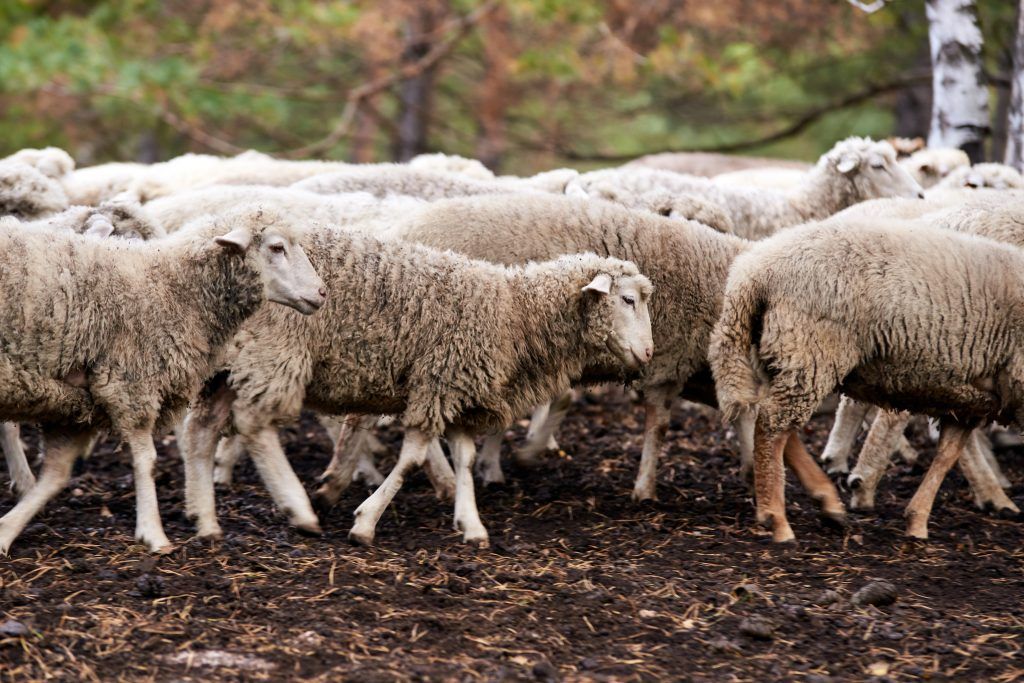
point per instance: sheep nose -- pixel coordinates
(920, 194)
(322, 292)
(648, 353)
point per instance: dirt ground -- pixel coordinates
(579, 583)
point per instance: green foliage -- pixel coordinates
(590, 77)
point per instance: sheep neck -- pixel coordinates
(824, 193)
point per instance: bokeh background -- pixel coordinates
(523, 85)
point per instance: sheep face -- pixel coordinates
(929, 166)
(623, 299)
(874, 171)
(288, 276)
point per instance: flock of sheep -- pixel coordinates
(219, 297)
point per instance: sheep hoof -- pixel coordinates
(644, 494)
(360, 538)
(308, 528)
(834, 469)
(834, 518)
(213, 534)
(1012, 512)
(323, 503)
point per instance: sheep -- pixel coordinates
(120, 217)
(454, 346)
(906, 146)
(854, 170)
(930, 166)
(78, 360)
(998, 216)
(687, 262)
(709, 165)
(451, 163)
(660, 201)
(995, 176)
(769, 177)
(52, 162)
(27, 193)
(176, 210)
(381, 181)
(891, 322)
(92, 185)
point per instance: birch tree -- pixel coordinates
(960, 115)
(1015, 115)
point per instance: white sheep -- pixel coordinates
(451, 163)
(78, 360)
(176, 210)
(688, 264)
(454, 346)
(930, 166)
(53, 162)
(890, 322)
(710, 164)
(27, 193)
(994, 176)
(769, 177)
(854, 170)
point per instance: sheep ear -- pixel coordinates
(236, 239)
(602, 284)
(847, 164)
(99, 225)
(574, 190)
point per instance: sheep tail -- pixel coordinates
(739, 376)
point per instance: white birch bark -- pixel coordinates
(960, 115)
(1015, 115)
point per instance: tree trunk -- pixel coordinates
(959, 95)
(415, 93)
(1015, 117)
(494, 90)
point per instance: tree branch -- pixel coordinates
(459, 29)
(797, 126)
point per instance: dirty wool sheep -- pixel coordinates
(455, 347)
(688, 264)
(84, 361)
(854, 170)
(889, 323)
(27, 193)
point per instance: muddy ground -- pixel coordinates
(579, 583)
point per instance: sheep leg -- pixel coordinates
(413, 454)
(149, 529)
(849, 416)
(339, 473)
(541, 422)
(366, 468)
(467, 517)
(200, 443)
(985, 488)
(658, 406)
(440, 473)
(62, 449)
(743, 425)
(229, 452)
(952, 439)
(544, 434)
(985, 445)
(285, 488)
(906, 452)
(22, 478)
(814, 480)
(488, 465)
(874, 459)
(770, 479)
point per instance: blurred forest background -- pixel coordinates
(522, 84)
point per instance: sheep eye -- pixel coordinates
(666, 211)
(628, 300)
(277, 248)
(878, 165)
